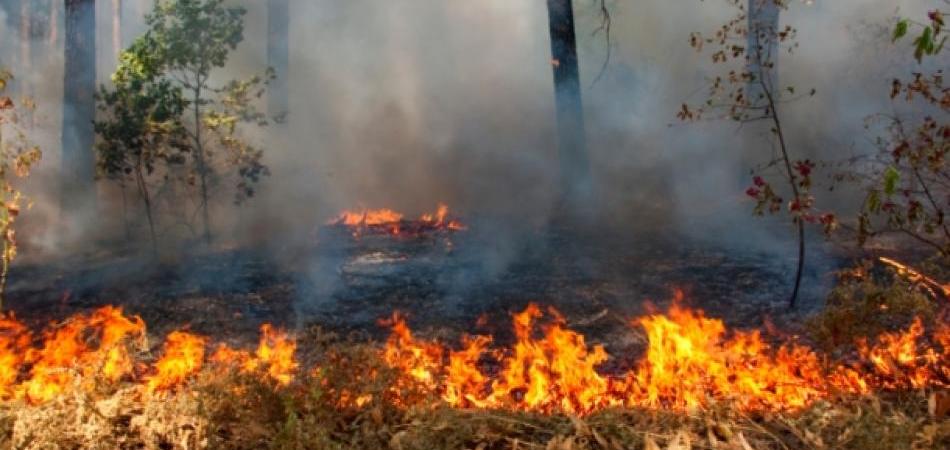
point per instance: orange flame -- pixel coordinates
(419, 359)
(96, 346)
(391, 222)
(14, 340)
(66, 352)
(367, 217)
(691, 362)
(182, 357)
(275, 352)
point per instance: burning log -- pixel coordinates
(389, 222)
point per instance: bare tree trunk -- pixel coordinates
(53, 38)
(9, 56)
(78, 200)
(572, 146)
(116, 29)
(40, 18)
(25, 68)
(763, 18)
(278, 57)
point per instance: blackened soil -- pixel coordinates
(448, 283)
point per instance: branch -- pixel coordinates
(605, 23)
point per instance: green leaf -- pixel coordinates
(900, 30)
(924, 44)
(891, 178)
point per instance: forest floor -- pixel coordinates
(445, 282)
(332, 292)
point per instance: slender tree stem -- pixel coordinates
(202, 164)
(776, 121)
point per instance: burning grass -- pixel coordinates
(90, 382)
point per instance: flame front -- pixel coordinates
(691, 362)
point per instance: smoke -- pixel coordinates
(408, 103)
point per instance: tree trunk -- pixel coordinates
(41, 13)
(763, 18)
(201, 163)
(116, 29)
(78, 200)
(278, 57)
(572, 148)
(9, 50)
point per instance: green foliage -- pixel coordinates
(164, 110)
(140, 130)
(17, 157)
(931, 39)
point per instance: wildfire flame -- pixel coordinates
(100, 345)
(275, 353)
(387, 221)
(182, 357)
(67, 352)
(691, 362)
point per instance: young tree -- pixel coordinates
(17, 156)
(572, 146)
(278, 57)
(185, 43)
(748, 91)
(140, 131)
(79, 107)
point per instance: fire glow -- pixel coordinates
(388, 222)
(690, 362)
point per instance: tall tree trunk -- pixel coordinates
(763, 18)
(25, 67)
(278, 57)
(116, 29)
(78, 199)
(40, 16)
(572, 146)
(9, 49)
(54, 16)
